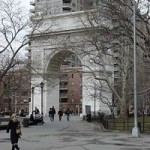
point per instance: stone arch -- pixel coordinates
(66, 34)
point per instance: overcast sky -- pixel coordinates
(26, 3)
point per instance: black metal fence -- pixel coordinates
(115, 124)
(126, 125)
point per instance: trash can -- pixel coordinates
(25, 122)
(88, 117)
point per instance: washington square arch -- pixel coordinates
(58, 38)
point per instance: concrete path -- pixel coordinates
(74, 135)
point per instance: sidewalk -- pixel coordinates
(74, 135)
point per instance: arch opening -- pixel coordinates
(64, 82)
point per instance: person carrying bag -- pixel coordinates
(18, 129)
(15, 131)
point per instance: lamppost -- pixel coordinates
(32, 98)
(42, 85)
(60, 103)
(94, 100)
(135, 130)
(72, 103)
(14, 100)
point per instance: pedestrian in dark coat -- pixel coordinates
(12, 126)
(53, 112)
(68, 112)
(50, 114)
(60, 114)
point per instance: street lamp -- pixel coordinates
(42, 85)
(72, 103)
(32, 98)
(135, 130)
(94, 100)
(14, 99)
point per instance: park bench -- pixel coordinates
(4, 119)
(4, 122)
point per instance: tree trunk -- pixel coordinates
(123, 110)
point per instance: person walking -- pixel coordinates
(68, 112)
(53, 112)
(50, 114)
(60, 114)
(14, 126)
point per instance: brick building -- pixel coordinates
(17, 91)
(70, 91)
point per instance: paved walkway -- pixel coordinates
(74, 135)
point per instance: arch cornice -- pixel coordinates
(58, 33)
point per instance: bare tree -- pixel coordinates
(108, 30)
(12, 30)
(109, 34)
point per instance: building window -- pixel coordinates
(73, 4)
(80, 75)
(72, 93)
(64, 100)
(49, 13)
(147, 56)
(26, 109)
(24, 93)
(72, 65)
